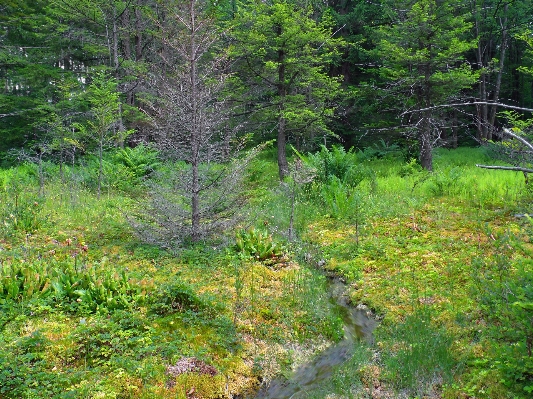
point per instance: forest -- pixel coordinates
(266, 199)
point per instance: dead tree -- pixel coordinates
(191, 112)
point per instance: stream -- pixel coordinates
(357, 325)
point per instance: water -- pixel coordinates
(357, 325)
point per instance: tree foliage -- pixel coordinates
(424, 65)
(285, 54)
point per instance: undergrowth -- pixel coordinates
(441, 258)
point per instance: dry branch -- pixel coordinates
(515, 168)
(519, 138)
(467, 104)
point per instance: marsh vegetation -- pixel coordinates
(442, 259)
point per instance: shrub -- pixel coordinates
(141, 160)
(410, 168)
(341, 200)
(175, 297)
(445, 182)
(379, 150)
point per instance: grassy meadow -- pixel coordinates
(442, 259)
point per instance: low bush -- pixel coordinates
(338, 163)
(175, 297)
(341, 200)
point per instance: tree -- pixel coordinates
(191, 113)
(27, 66)
(104, 102)
(516, 146)
(494, 26)
(120, 32)
(423, 61)
(285, 57)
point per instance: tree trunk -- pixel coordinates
(138, 32)
(283, 164)
(120, 122)
(195, 129)
(426, 147)
(455, 128)
(481, 50)
(503, 48)
(100, 165)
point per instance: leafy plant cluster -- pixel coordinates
(123, 169)
(338, 163)
(341, 200)
(26, 372)
(176, 296)
(85, 289)
(380, 149)
(258, 245)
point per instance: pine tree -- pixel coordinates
(191, 113)
(285, 57)
(423, 63)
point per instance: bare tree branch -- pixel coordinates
(467, 104)
(519, 138)
(515, 168)
(11, 114)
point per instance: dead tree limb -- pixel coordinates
(519, 138)
(515, 168)
(525, 171)
(465, 104)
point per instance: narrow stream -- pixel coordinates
(357, 325)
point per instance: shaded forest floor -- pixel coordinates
(443, 260)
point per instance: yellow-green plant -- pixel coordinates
(257, 244)
(96, 289)
(20, 281)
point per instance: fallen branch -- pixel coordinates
(515, 168)
(519, 138)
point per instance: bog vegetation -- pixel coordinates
(442, 259)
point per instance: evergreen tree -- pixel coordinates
(495, 25)
(286, 55)
(424, 66)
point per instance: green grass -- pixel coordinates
(409, 258)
